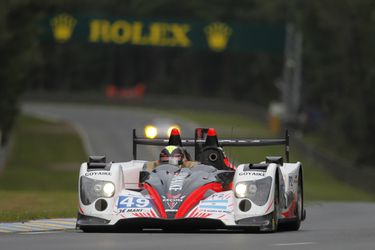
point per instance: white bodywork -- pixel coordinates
(129, 202)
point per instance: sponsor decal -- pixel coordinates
(296, 179)
(218, 35)
(139, 33)
(171, 210)
(96, 173)
(178, 181)
(220, 196)
(132, 210)
(214, 205)
(173, 200)
(133, 202)
(252, 173)
(63, 27)
(291, 181)
(215, 36)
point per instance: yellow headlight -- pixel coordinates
(151, 131)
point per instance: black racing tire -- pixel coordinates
(88, 229)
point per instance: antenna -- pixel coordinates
(134, 145)
(230, 149)
(287, 145)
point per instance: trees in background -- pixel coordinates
(338, 71)
(18, 58)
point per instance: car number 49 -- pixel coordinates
(133, 202)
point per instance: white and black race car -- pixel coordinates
(212, 194)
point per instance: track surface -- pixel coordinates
(328, 225)
(106, 130)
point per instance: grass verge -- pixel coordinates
(40, 178)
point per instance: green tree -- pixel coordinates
(339, 72)
(19, 57)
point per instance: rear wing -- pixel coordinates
(200, 139)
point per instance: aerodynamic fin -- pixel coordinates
(211, 139)
(175, 138)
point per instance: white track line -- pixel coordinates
(43, 232)
(294, 244)
(38, 225)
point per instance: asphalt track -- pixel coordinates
(107, 130)
(328, 225)
(338, 226)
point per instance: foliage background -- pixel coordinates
(338, 60)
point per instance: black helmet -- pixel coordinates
(172, 155)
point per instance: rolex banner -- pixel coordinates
(215, 36)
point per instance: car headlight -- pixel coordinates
(91, 189)
(241, 190)
(108, 189)
(257, 191)
(151, 131)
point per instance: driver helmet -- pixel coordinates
(172, 154)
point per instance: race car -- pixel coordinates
(212, 194)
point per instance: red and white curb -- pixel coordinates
(38, 225)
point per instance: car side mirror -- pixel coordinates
(225, 177)
(143, 176)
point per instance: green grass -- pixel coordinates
(40, 178)
(27, 205)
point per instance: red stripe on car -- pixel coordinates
(157, 200)
(195, 197)
(228, 164)
(291, 211)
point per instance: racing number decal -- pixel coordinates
(133, 202)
